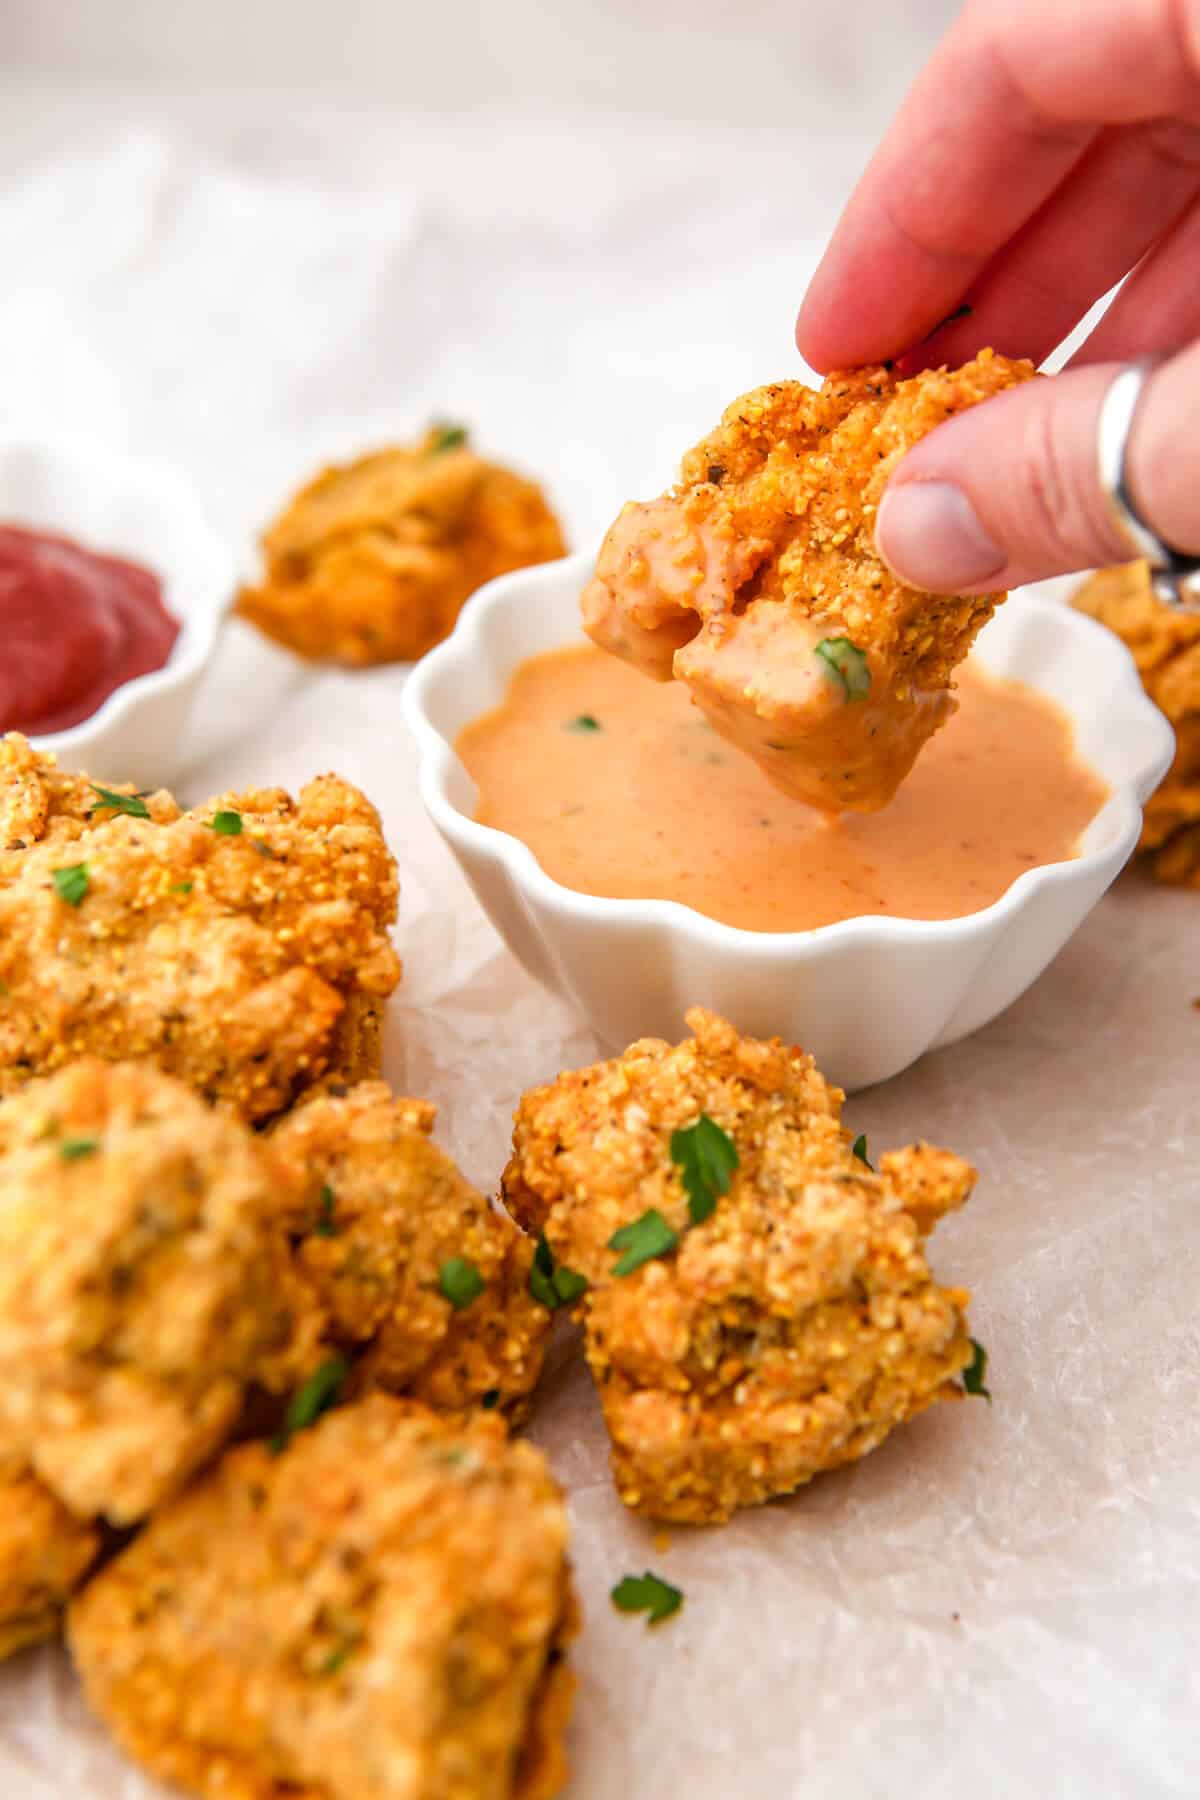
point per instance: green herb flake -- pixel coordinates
(460, 1282)
(75, 1149)
(134, 805)
(642, 1240)
(649, 1594)
(585, 722)
(326, 1225)
(226, 824)
(71, 883)
(706, 1157)
(447, 437)
(551, 1283)
(321, 1391)
(491, 1400)
(975, 1373)
(859, 1148)
(337, 1657)
(181, 887)
(848, 663)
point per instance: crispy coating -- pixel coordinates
(791, 1330)
(144, 1284)
(45, 1552)
(377, 1209)
(372, 561)
(1165, 645)
(766, 549)
(376, 1614)
(250, 965)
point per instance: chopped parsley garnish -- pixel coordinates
(585, 722)
(318, 1394)
(133, 804)
(975, 1373)
(706, 1157)
(75, 1149)
(226, 824)
(181, 887)
(553, 1283)
(460, 1281)
(848, 663)
(859, 1148)
(491, 1400)
(447, 437)
(71, 883)
(338, 1656)
(649, 1594)
(326, 1225)
(642, 1240)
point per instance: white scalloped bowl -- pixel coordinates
(866, 996)
(119, 507)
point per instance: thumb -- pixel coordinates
(1010, 492)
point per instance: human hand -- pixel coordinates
(1045, 151)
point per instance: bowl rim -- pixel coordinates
(199, 627)
(437, 758)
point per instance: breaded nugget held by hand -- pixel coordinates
(414, 1274)
(45, 1552)
(378, 1613)
(373, 560)
(243, 946)
(144, 1285)
(1165, 645)
(756, 582)
(759, 1307)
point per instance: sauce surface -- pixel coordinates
(74, 626)
(620, 788)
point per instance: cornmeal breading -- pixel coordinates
(378, 1211)
(756, 582)
(251, 962)
(1165, 645)
(144, 1285)
(372, 561)
(788, 1332)
(376, 1614)
(45, 1552)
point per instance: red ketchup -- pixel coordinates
(74, 627)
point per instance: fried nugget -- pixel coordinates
(1165, 645)
(373, 560)
(376, 1614)
(243, 945)
(791, 1329)
(756, 582)
(45, 1552)
(382, 1221)
(144, 1285)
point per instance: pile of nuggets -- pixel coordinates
(261, 1343)
(756, 582)
(1165, 645)
(372, 561)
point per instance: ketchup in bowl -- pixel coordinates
(74, 626)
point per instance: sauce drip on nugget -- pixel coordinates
(756, 582)
(758, 1305)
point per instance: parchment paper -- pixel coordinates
(1001, 1601)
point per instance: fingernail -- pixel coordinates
(930, 535)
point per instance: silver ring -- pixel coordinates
(1174, 577)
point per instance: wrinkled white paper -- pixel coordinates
(1002, 1601)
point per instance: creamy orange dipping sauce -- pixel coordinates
(620, 788)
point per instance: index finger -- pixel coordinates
(1009, 102)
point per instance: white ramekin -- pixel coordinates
(123, 508)
(866, 996)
